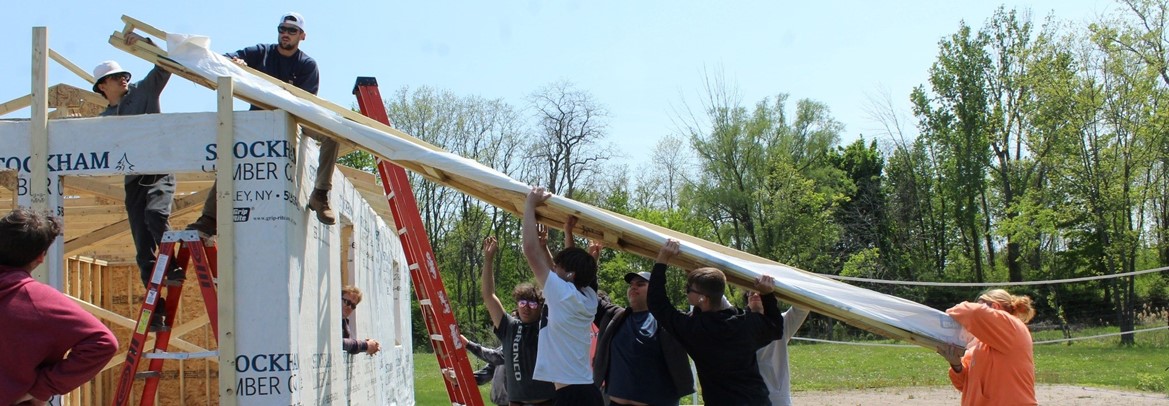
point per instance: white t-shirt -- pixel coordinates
(773, 364)
(563, 355)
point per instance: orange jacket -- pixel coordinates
(998, 367)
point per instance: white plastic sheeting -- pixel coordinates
(872, 310)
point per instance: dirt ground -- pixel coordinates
(1046, 394)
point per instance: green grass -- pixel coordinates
(428, 386)
(1100, 363)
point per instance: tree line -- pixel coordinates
(1035, 151)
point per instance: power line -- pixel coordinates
(990, 284)
(1062, 340)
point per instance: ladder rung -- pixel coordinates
(424, 302)
(180, 355)
(413, 267)
(436, 337)
(402, 231)
(148, 375)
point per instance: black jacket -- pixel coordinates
(610, 315)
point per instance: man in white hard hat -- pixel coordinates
(286, 62)
(149, 197)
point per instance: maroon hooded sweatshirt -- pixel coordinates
(38, 326)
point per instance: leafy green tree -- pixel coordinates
(953, 117)
(861, 215)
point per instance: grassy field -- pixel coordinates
(1098, 363)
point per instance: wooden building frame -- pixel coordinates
(97, 230)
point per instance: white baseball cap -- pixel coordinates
(105, 69)
(292, 19)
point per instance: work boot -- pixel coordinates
(158, 318)
(205, 225)
(318, 201)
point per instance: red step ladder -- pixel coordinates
(428, 286)
(190, 247)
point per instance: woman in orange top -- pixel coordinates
(998, 367)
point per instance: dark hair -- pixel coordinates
(527, 291)
(25, 235)
(710, 282)
(581, 264)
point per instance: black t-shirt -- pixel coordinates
(520, 342)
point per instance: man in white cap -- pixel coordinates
(149, 197)
(286, 62)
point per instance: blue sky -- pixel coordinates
(640, 59)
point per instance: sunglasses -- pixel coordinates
(349, 303)
(531, 304)
(287, 30)
(118, 77)
(691, 290)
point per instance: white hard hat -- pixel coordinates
(105, 69)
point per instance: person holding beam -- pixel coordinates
(721, 339)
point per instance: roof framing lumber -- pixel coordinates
(593, 223)
(182, 206)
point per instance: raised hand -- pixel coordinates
(668, 251)
(133, 37)
(595, 249)
(765, 284)
(536, 197)
(542, 233)
(490, 247)
(953, 355)
(569, 227)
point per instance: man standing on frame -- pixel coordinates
(149, 197)
(286, 62)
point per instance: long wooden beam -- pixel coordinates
(594, 223)
(129, 323)
(15, 104)
(61, 97)
(156, 55)
(101, 189)
(71, 66)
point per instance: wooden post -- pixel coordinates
(40, 197)
(224, 166)
(38, 185)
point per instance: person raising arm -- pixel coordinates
(571, 294)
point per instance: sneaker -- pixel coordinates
(205, 225)
(319, 202)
